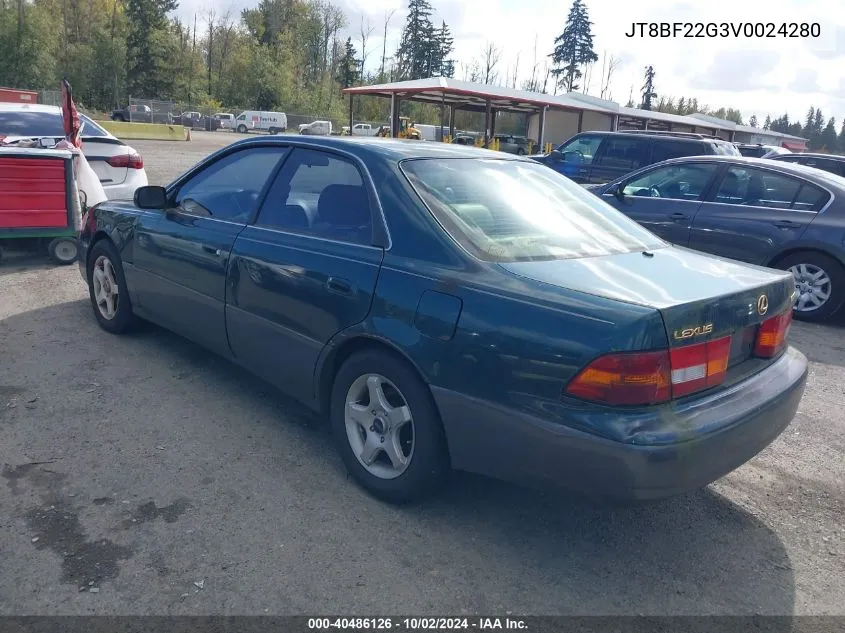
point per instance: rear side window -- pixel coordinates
(760, 188)
(29, 123)
(664, 150)
(624, 153)
(320, 194)
(832, 166)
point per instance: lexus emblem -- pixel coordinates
(762, 305)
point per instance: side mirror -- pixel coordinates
(150, 197)
(618, 191)
(557, 155)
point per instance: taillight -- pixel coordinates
(620, 379)
(643, 378)
(129, 161)
(771, 337)
(701, 366)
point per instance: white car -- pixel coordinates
(119, 167)
(316, 128)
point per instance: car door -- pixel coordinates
(183, 254)
(573, 158)
(753, 213)
(306, 269)
(617, 156)
(665, 199)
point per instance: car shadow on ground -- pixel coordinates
(19, 261)
(696, 554)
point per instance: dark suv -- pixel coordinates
(598, 157)
(827, 162)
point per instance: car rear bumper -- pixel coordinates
(722, 432)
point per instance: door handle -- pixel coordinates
(211, 249)
(339, 286)
(787, 224)
(678, 216)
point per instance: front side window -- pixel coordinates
(675, 182)
(229, 188)
(581, 150)
(624, 153)
(508, 211)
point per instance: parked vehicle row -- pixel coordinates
(458, 311)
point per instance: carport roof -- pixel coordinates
(468, 94)
(653, 115)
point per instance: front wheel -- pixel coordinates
(107, 288)
(241, 129)
(387, 427)
(819, 283)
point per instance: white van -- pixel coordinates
(226, 119)
(260, 121)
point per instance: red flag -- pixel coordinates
(70, 116)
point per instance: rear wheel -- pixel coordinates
(62, 250)
(107, 288)
(819, 282)
(273, 130)
(387, 427)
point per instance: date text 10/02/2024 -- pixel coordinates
(724, 29)
(417, 624)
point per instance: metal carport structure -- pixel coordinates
(464, 95)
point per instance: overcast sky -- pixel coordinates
(757, 75)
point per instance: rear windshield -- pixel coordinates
(29, 123)
(726, 149)
(509, 211)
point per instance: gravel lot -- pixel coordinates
(142, 475)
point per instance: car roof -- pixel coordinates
(638, 134)
(386, 149)
(813, 155)
(29, 107)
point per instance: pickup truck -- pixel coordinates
(140, 114)
(360, 129)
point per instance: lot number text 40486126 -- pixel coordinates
(724, 29)
(416, 624)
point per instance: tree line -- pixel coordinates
(291, 54)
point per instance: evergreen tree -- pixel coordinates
(648, 88)
(445, 46)
(414, 57)
(808, 122)
(753, 120)
(767, 124)
(148, 44)
(828, 138)
(818, 122)
(573, 47)
(682, 106)
(842, 137)
(347, 70)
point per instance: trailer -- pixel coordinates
(40, 203)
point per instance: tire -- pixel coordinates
(427, 461)
(123, 318)
(119, 119)
(520, 152)
(242, 129)
(273, 130)
(63, 250)
(812, 262)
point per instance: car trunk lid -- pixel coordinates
(700, 297)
